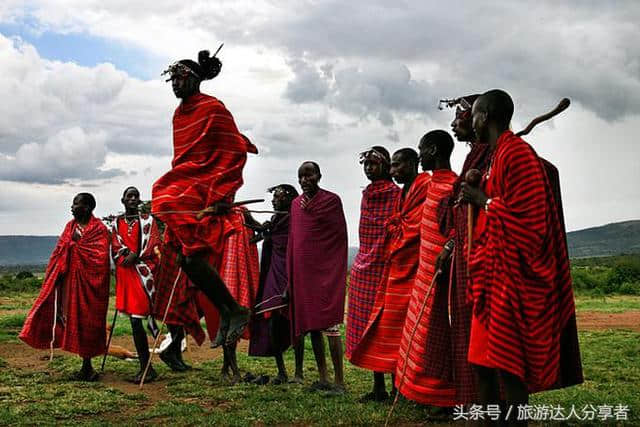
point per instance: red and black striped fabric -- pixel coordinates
(453, 223)
(82, 293)
(209, 154)
(520, 278)
(378, 201)
(426, 328)
(378, 348)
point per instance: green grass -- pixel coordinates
(608, 304)
(611, 363)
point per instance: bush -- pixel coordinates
(13, 284)
(626, 270)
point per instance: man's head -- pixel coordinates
(404, 165)
(131, 199)
(283, 195)
(82, 206)
(376, 163)
(461, 124)
(492, 112)
(308, 177)
(435, 145)
(186, 75)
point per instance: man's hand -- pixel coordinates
(130, 259)
(443, 257)
(218, 208)
(285, 296)
(473, 195)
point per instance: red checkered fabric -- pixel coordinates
(82, 293)
(378, 201)
(183, 310)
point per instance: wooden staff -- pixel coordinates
(562, 105)
(113, 325)
(164, 318)
(55, 321)
(473, 178)
(413, 333)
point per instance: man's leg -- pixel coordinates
(87, 373)
(275, 325)
(170, 354)
(233, 361)
(488, 388)
(379, 392)
(516, 393)
(335, 348)
(207, 279)
(298, 351)
(142, 347)
(317, 342)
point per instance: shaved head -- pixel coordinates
(498, 106)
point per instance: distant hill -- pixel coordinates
(611, 239)
(26, 250)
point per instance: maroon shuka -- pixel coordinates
(80, 269)
(316, 262)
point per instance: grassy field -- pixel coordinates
(33, 391)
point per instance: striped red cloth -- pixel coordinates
(208, 159)
(83, 294)
(378, 348)
(428, 384)
(520, 278)
(378, 201)
(453, 223)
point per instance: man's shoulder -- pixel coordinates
(516, 147)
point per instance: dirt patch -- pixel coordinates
(23, 357)
(599, 321)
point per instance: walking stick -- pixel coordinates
(413, 334)
(473, 178)
(164, 318)
(113, 325)
(55, 321)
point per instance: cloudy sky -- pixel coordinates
(85, 108)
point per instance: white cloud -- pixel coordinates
(324, 80)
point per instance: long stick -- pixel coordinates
(562, 105)
(113, 325)
(164, 318)
(413, 334)
(55, 321)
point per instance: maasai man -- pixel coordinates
(135, 239)
(208, 159)
(270, 331)
(522, 329)
(378, 348)
(317, 272)
(378, 201)
(452, 218)
(426, 327)
(75, 291)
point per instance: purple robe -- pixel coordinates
(317, 262)
(273, 283)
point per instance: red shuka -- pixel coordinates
(428, 383)
(378, 202)
(239, 269)
(378, 348)
(520, 278)
(135, 285)
(79, 271)
(209, 154)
